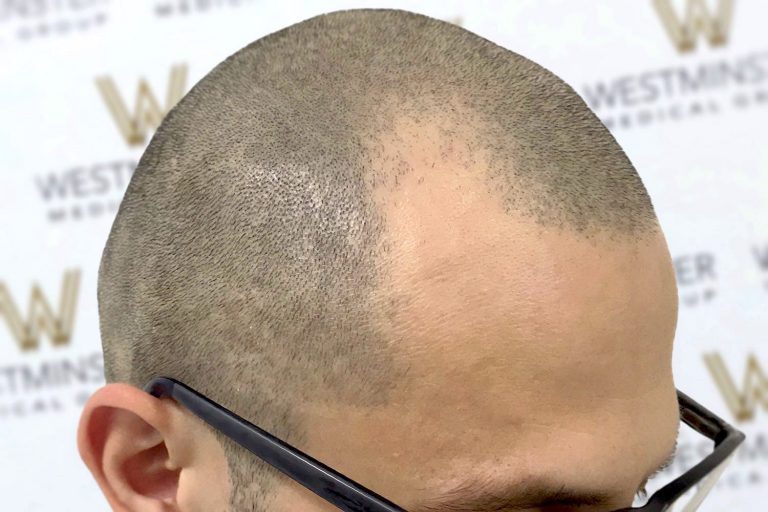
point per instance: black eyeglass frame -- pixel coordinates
(349, 496)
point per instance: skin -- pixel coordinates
(534, 355)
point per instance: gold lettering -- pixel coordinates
(698, 19)
(147, 112)
(40, 317)
(754, 392)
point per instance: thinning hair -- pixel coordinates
(247, 252)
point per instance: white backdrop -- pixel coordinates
(683, 85)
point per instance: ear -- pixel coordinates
(151, 455)
(123, 439)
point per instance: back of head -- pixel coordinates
(250, 255)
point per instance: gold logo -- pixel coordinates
(147, 112)
(40, 316)
(698, 19)
(753, 393)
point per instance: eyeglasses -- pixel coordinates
(684, 494)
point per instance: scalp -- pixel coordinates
(250, 249)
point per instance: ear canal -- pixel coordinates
(150, 473)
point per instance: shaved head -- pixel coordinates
(380, 220)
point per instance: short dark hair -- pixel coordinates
(246, 255)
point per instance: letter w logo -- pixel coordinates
(147, 112)
(40, 316)
(754, 392)
(698, 19)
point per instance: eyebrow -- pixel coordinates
(478, 495)
(481, 495)
(670, 458)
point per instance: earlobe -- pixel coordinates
(122, 438)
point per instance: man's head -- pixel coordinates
(411, 253)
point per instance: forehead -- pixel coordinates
(531, 352)
(527, 347)
(471, 283)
